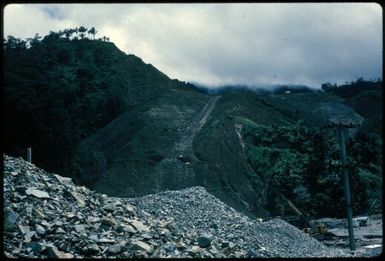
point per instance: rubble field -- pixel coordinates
(367, 232)
(48, 216)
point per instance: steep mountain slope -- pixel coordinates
(130, 149)
(260, 147)
(59, 91)
(123, 128)
(248, 148)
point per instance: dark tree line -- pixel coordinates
(69, 34)
(57, 90)
(352, 88)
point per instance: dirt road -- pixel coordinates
(184, 145)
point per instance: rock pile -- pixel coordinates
(202, 218)
(47, 216)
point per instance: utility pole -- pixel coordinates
(340, 126)
(29, 154)
(347, 189)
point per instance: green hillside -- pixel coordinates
(287, 151)
(59, 91)
(365, 97)
(123, 128)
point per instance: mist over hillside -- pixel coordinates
(258, 89)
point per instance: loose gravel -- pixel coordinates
(48, 216)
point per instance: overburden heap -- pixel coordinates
(46, 215)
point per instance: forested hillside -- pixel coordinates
(62, 88)
(365, 97)
(290, 153)
(114, 123)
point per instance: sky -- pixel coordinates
(221, 44)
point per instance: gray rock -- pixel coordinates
(169, 247)
(139, 226)
(94, 238)
(146, 236)
(80, 228)
(79, 198)
(24, 229)
(63, 246)
(195, 249)
(59, 231)
(114, 249)
(10, 221)
(37, 193)
(29, 236)
(16, 251)
(109, 207)
(225, 244)
(35, 246)
(58, 223)
(53, 252)
(119, 228)
(240, 254)
(40, 230)
(63, 180)
(93, 248)
(214, 225)
(75, 239)
(38, 214)
(180, 245)
(213, 250)
(45, 223)
(139, 245)
(130, 209)
(13, 173)
(107, 222)
(204, 241)
(106, 240)
(254, 253)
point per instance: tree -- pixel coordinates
(35, 40)
(61, 33)
(14, 43)
(10, 42)
(82, 31)
(67, 33)
(326, 86)
(360, 80)
(52, 36)
(93, 32)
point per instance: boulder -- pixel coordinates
(37, 193)
(204, 241)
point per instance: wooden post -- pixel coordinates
(340, 126)
(347, 190)
(29, 154)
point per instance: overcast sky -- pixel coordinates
(216, 44)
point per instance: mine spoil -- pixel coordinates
(48, 216)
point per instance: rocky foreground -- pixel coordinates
(47, 216)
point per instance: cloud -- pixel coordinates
(24, 20)
(228, 43)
